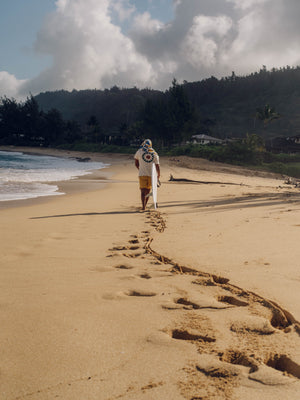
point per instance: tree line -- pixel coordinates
(230, 107)
(24, 124)
(166, 117)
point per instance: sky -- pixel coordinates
(49, 45)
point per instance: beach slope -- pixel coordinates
(197, 300)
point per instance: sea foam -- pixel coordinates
(24, 176)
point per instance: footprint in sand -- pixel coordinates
(134, 241)
(252, 324)
(233, 301)
(284, 363)
(140, 293)
(101, 269)
(123, 266)
(132, 255)
(128, 293)
(191, 334)
(118, 248)
(145, 275)
(133, 247)
(200, 303)
(279, 362)
(256, 337)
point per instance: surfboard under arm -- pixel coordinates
(154, 185)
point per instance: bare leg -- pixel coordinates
(144, 197)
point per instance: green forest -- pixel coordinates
(248, 112)
(223, 108)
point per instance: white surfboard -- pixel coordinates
(154, 185)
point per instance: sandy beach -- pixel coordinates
(197, 300)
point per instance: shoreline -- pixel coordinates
(101, 177)
(91, 181)
(196, 300)
(50, 151)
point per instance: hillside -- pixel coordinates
(230, 104)
(111, 108)
(223, 108)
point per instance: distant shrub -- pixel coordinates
(290, 169)
(237, 153)
(293, 170)
(276, 167)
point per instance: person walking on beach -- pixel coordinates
(144, 158)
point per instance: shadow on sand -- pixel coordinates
(223, 204)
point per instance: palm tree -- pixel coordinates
(266, 114)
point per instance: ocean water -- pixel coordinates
(24, 176)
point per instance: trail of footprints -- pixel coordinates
(259, 331)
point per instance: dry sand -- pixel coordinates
(199, 300)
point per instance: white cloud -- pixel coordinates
(90, 50)
(244, 4)
(123, 8)
(200, 45)
(143, 23)
(265, 36)
(10, 86)
(213, 38)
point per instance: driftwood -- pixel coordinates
(172, 179)
(81, 159)
(292, 181)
